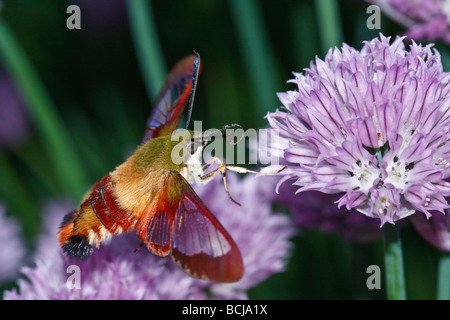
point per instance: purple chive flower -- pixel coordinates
(261, 235)
(372, 124)
(13, 250)
(425, 19)
(14, 125)
(436, 230)
(115, 272)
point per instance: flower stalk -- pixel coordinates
(443, 285)
(328, 23)
(257, 54)
(393, 258)
(148, 49)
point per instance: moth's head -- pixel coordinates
(190, 144)
(227, 134)
(196, 143)
(185, 144)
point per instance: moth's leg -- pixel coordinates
(222, 169)
(210, 162)
(240, 170)
(210, 175)
(224, 174)
(245, 170)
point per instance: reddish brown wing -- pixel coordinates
(194, 237)
(176, 95)
(201, 245)
(155, 226)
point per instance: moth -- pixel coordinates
(152, 195)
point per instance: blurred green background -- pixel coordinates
(97, 97)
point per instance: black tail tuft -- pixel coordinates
(78, 246)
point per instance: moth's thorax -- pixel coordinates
(182, 153)
(156, 155)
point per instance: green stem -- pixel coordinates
(329, 25)
(55, 138)
(17, 198)
(443, 285)
(148, 49)
(258, 58)
(304, 31)
(393, 258)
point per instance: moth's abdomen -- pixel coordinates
(78, 247)
(74, 235)
(98, 218)
(104, 203)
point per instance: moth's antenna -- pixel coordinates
(207, 135)
(194, 86)
(229, 126)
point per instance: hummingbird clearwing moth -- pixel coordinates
(151, 195)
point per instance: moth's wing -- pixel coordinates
(155, 224)
(176, 95)
(177, 222)
(200, 244)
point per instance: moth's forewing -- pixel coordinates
(177, 94)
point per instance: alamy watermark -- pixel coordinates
(234, 144)
(374, 20)
(374, 280)
(74, 280)
(74, 20)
